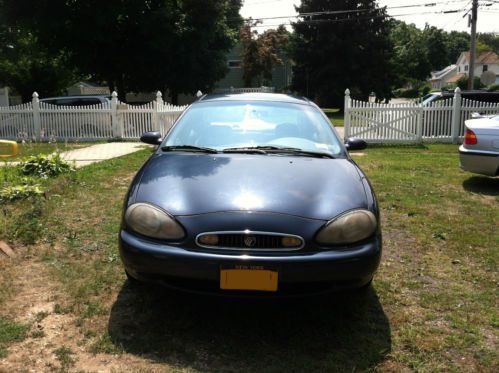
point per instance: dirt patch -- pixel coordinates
(54, 341)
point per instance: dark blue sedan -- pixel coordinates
(251, 194)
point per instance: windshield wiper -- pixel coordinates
(188, 148)
(308, 153)
(265, 149)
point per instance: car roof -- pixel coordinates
(473, 92)
(268, 97)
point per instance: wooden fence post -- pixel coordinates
(347, 114)
(114, 115)
(456, 115)
(36, 117)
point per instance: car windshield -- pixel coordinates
(429, 98)
(228, 125)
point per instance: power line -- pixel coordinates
(361, 10)
(359, 18)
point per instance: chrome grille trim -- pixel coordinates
(250, 233)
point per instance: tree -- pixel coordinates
(333, 52)
(260, 53)
(410, 57)
(136, 45)
(27, 67)
(457, 42)
(491, 40)
(435, 42)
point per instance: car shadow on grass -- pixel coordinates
(488, 186)
(349, 333)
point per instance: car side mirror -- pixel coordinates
(355, 144)
(153, 138)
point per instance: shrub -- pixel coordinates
(494, 88)
(45, 166)
(16, 192)
(463, 83)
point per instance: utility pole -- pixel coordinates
(474, 16)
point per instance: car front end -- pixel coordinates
(239, 199)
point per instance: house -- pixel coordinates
(486, 61)
(440, 79)
(281, 74)
(87, 88)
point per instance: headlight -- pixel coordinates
(348, 228)
(153, 222)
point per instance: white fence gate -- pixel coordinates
(41, 121)
(440, 121)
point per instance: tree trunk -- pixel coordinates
(174, 96)
(120, 85)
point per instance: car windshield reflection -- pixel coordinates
(224, 125)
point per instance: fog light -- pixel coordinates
(209, 239)
(291, 242)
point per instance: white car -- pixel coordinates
(480, 151)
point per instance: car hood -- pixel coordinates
(193, 183)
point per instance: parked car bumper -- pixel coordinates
(480, 162)
(200, 271)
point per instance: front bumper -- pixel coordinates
(200, 271)
(480, 162)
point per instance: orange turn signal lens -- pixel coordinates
(290, 242)
(470, 137)
(209, 239)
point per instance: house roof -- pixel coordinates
(437, 75)
(486, 58)
(455, 78)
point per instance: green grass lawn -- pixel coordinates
(335, 116)
(433, 305)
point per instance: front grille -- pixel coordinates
(249, 241)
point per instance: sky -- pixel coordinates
(488, 16)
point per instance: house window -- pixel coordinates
(234, 64)
(465, 67)
(485, 68)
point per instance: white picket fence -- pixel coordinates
(440, 121)
(40, 121)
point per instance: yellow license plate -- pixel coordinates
(248, 279)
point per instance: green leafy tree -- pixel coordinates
(261, 52)
(136, 45)
(491, 40)
(332, 52)
(456, 43)
(25, 66)
(410, 57)
(435, 43)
